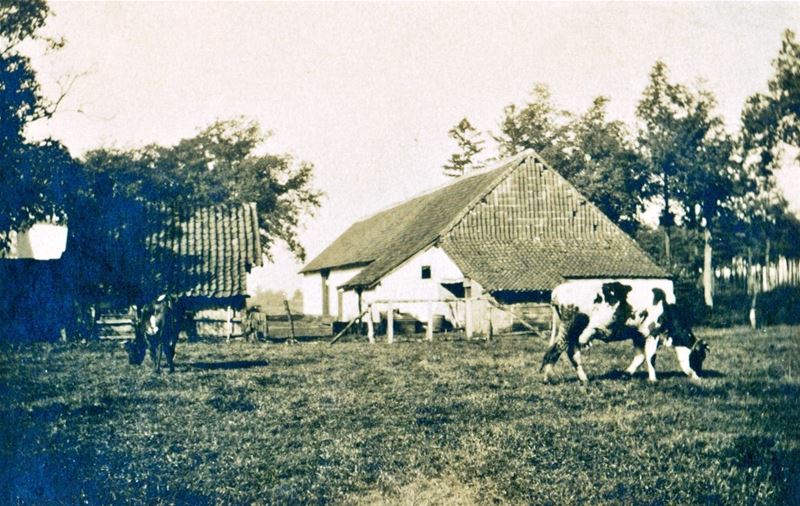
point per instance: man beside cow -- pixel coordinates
(642, 311)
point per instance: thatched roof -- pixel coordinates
(209, 251)
(517, 227)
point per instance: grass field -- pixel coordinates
(455, 422)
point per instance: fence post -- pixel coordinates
(291, 321)
(429, 331)
(390, 324)
(370, 326)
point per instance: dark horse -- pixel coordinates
(157, 328)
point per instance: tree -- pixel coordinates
(686, 151)
(35, 176)
(604, 165)
(222, 164)
(470, 145)
(537, 125)
(771, 120)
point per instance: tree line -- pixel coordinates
(715, 190)
(114, 199)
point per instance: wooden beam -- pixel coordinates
(341, 333)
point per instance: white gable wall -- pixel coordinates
(312, 293)
(406, 283)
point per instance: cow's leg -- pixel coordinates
(574, 355)
(683, 354)
(650, 348)
(551, 357)
(636, 362)
(638, 357)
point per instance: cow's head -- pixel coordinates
(699, 350)
(675, 328)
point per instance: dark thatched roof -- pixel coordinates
(518, 227)
(209, 251)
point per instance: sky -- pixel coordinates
(368, 91)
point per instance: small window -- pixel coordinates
(426, 272)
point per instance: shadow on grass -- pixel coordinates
(642, 375)
(234, 364)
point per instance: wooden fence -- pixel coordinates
(740, 275)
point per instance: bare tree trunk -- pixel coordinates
(708, 274)
(667, 252)
(753, 285)
(765, 271)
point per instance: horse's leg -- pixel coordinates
(650, 348)
(152, 344)
(170, 353)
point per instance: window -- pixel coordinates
(426, 272)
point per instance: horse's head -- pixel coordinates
(153, 315)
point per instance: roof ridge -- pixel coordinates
(504, 168)
(424, 193)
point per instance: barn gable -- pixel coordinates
(519, 227)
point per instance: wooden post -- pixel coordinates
(468, 308)
(708, 275)
(390, 324)
(370, 326)
(468, 318)
(490, 333)
(229, 323)
(291, 322)
(429, 330)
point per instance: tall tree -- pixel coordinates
(35, 176)
(470, 145)
(686, 150)
(771, 120)
(604, 165)
(224, 163)
(537, 125)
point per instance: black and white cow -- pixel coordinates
(157, 328)
(642, 312)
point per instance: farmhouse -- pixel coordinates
(476, 252)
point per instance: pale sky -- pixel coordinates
(368, 91)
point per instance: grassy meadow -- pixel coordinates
(448, 422)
